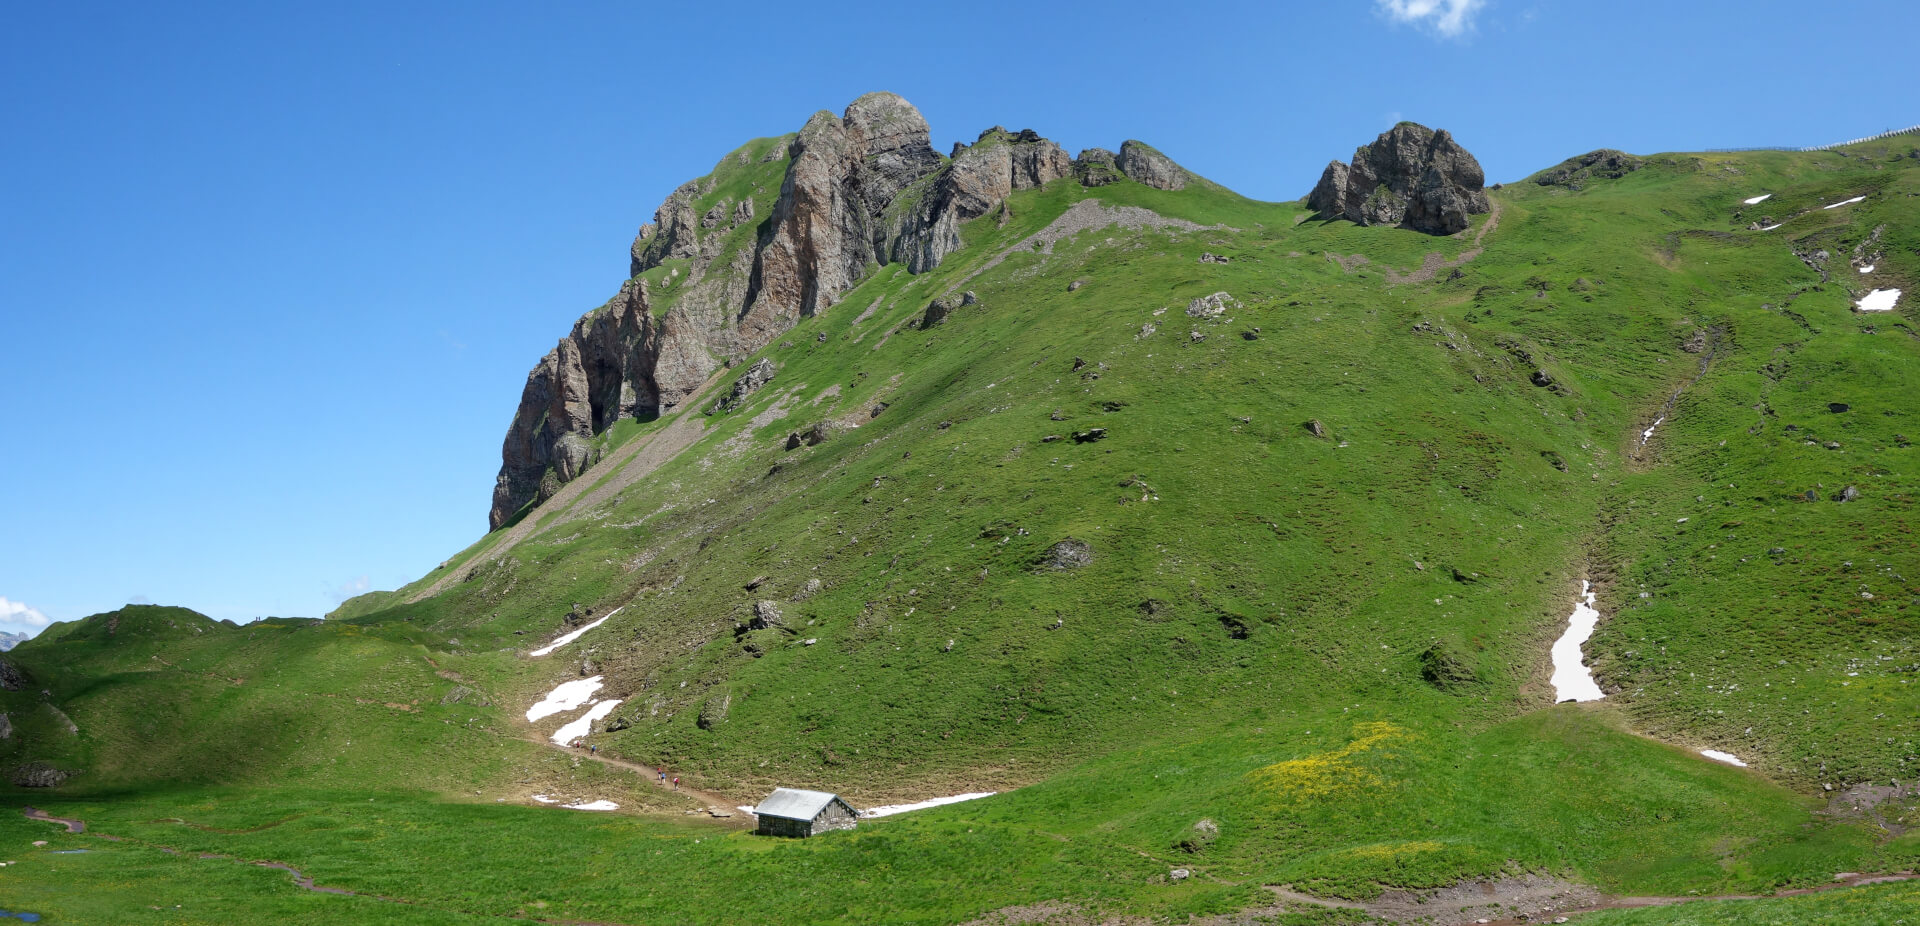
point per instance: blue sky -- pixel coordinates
(272, 275)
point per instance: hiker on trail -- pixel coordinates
(676, 782)
(663, 774)
(594, 749)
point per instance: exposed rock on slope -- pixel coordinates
(1602, 163)
(1411, 176)
(858, 190)
(1141, 162)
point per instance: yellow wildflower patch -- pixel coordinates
(1389, 851)
(1330, 774)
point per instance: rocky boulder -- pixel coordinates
(714, 711)
(1070, 553)
(40, 775)
(937, 311)
(1411, 177)
(1143, 164)
(749, 383)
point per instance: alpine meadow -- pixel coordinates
(1229, 559)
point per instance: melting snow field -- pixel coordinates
(1844, 202)
(1647, 435)
(1772, 227)
(891, 809)
(564, 697)
(1880, 300)
(585, 805)
(1571, 680)
(575, 635)
(1718, 756)
(582, 725)
(1867, 269)
(1757, 199)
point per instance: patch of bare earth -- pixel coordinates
(1083, 216)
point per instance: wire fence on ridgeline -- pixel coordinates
(1910, 130)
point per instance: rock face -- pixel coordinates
(925, 227)
(39, 775)
(749, 383)
(1411, 176)
(11, 678)
(1096, 167)
(859, 190)
(1140, 162)
(1603, 164)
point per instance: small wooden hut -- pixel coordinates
(800, 813)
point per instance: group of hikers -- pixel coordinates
(594, 750)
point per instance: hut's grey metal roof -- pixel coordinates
(796, 803)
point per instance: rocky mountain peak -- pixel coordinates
(858, 189)
(1411, 177)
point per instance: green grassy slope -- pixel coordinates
(1333, 645)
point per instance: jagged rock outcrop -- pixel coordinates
(1096, 167)
(925, 226)
(1411, 176)
(40, 775)
(749, 383)
(1602, 164)
(860, 189)
(1141, 163)
(11, 678)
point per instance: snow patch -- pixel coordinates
(567, 638)
(1571, 679)
(593, 805)
(544, 799)
(891, 809)
(1844, 202)
(1880, 300)
(1772, 227)
(565, 697)
(1757, 199)
(1718, 756)
(582, 725)
(1647, 435)
(1867, 269)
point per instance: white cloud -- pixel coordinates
(13, 612)
(1450, 18)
